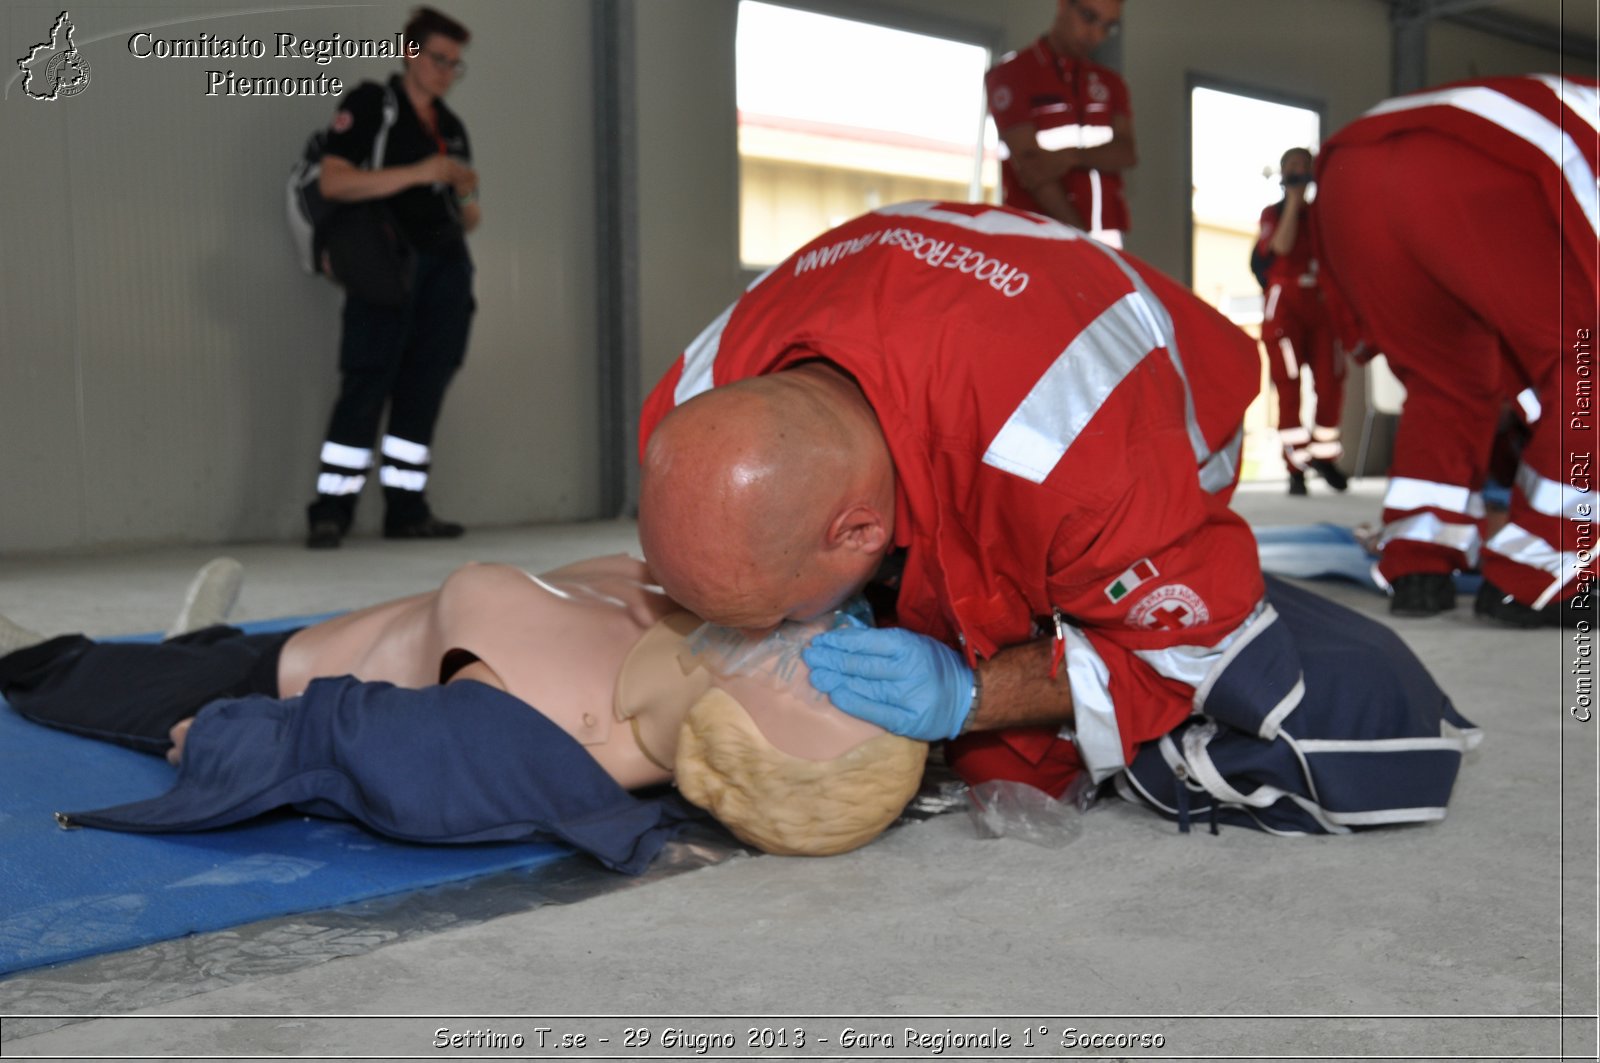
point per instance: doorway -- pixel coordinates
(1236, 139)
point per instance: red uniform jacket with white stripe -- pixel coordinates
(1064, 424)
(1542, 124)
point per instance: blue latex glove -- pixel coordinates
(906, 683)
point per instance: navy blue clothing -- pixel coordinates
(403, 357)
(443, 765)
(131, 693)
(1321, 721)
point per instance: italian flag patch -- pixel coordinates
(1142, 572)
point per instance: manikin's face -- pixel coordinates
(680, 658)
(757, 747)
(770, 679)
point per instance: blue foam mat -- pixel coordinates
(65, 895)
(1327, 551)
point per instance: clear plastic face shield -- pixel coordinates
(768, 677)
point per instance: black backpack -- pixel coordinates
(308, 212)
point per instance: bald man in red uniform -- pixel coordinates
(1027, 440)
(1457, 226)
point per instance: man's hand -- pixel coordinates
(908, 684)
(465, 181)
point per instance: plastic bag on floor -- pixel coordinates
(1001, 808)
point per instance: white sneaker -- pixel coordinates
(210, 596)
(15, 637)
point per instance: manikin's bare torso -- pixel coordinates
(593, 646)
(557, 642)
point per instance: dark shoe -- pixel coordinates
(1331, 473)
(1499, 606)
(429, 527)
(329, 517)
(1297, 484)
(1422, 594)
(324, 535)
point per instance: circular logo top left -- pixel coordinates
(54, 68)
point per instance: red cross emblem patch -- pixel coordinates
(1169, 608)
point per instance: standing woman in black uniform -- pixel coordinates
(399, 144)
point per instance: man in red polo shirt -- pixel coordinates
(1295, 331)
(1066, 123)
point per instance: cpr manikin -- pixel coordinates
(650, 693)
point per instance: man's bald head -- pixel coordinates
(767, 499)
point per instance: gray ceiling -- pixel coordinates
(1574, 17)
(1575, 20)
(1572, 26)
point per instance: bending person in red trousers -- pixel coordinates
(1457, 227)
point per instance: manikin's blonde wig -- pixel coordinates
(786, 804)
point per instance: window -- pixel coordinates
(838, 117)
(1235, 143)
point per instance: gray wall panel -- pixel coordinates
(41, 459)
(519, 436)
(688, 173)
(159, 278)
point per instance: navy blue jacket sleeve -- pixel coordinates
(446, 764)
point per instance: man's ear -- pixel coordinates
(860, 528)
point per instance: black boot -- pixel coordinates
(429, 527)
(1297, 484)
(1422, 594)
(1500, 607)
(407, 516)
(1330, 472)
(329, 519)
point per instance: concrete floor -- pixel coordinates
(1470, 939)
